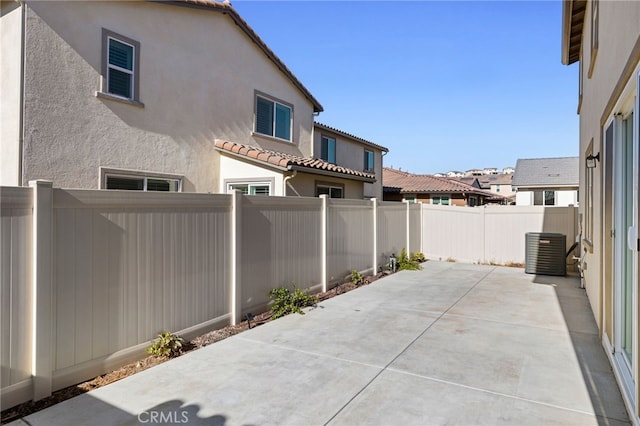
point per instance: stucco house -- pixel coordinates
(546, 181)
(171, 96)
(604, 39)
(429, 189)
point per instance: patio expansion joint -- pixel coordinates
(504, 395)
(316, 354)
(386, 367)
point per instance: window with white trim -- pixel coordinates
(257, 188)
(120, 66)
(328, 149)
(443, 200)
(273, 118)
(544, 198)
(368, 161)
(141, 183)
(331, 191)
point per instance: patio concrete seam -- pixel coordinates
(317, 354)
(519, 398)
(408, 346)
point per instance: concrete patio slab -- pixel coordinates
(451, 344)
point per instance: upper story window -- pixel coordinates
(368, 161)
(120, 67)
(328, 150)
(273, 118)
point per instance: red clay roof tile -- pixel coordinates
(284, 160)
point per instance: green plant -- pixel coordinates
(357, 278)
(286, 301)
(451, 260)
(418, 257)
(406, 264)
(167, 345)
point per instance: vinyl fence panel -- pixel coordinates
(349, 239)
(281, 246)
(129, 266)
(16, 212)
(392, 230)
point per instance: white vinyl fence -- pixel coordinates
(491, 234)
(89, 277)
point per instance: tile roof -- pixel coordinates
(290, 162)
(547, 172)
(349, 135)
(226, 8)
(411, 183)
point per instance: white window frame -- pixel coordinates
(252, 184)
(275, 102)
(369, 167)
(330, 187)
(134, 98)
(329, 139)
(105, 173)
(440, 197)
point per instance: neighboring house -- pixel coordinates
(546, 181)
(429, 189)
(490, 171)
(473, 172)
(454, 173)
(604, 38)
(165, 96)
(508, 170)
(499, 184)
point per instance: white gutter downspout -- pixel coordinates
(286, 180)
(23, 32)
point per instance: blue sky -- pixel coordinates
(450, 85)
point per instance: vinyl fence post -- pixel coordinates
(408, 227)
(236, 258)
(42, 312)
(325, 244)
(374, 204)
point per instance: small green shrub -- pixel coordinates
(357, 278)
(451, 260)
(418, 257)
(287, 302)
(167, 345)
(406, 264)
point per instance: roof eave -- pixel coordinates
(322, 172)
(572, 23)
(227, 9)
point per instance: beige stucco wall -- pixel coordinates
(10, 54)
(350, 154)
(199, 74)
(304, 185)
(236, 169)
(618, 32)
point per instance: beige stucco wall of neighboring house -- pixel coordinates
(199, 74)
(10, 69)
(502, 189)
(350, 154)
(233, 169)
(304, 185)
(618, 34)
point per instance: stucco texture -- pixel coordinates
(199, 73)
